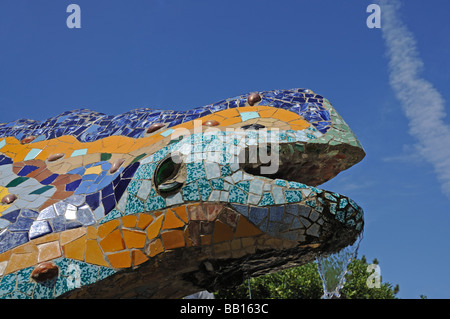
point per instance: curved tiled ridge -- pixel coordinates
(89, 126)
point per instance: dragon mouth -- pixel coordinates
(310, 164)
(335, 221)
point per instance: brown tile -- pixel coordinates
(173, 239)
(222, 232)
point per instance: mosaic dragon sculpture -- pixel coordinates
(162, 204)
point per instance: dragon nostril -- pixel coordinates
(154, 127)
(254, 126)
(253, 98)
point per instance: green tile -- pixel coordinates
(105, 156)
(41, 190)
(17, 181)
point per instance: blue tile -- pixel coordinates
(71, 187)
(49, 179)
(39, 228)
(257, 214)
(27, 169)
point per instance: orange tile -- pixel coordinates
(154, 228)
(267, 113)
(129, 221)
(180, 211)
(173, 239)
(229, 113)
(94, 254)
(297, 128)
(155, 248)
(113, 242)
(144, 221)
(5, 256)
(75, 249)
(49, 251)
(46, 238)
(106, 228)
(246, 228)
(284, 115)
(138, 257)
(264, 108)
(222, 232)
(91, 232)
(120, 260)
(133, 238)
(25, 248)
(300, 122)
(171, 221)
(230, 121)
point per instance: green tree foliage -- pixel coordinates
(305, 283)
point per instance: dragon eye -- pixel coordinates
(166, 171)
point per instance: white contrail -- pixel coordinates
(422, 103)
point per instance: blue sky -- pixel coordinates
(180, 54)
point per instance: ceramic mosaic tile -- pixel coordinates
(90, 202)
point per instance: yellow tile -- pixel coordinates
(94, 170)
(3, 207)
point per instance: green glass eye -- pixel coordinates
(166, 170)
